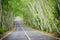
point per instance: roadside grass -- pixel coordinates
(6, 31)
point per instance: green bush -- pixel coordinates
(1, 30)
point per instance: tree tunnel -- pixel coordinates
(43, 15)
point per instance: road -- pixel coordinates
(24, 33)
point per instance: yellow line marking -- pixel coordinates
(26, 34)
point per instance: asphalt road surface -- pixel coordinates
(24, 33)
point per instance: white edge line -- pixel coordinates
(47, 34)
(26, 34)
(5, 36)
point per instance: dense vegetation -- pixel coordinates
(43, 15)
(40, 14)
(6, 16)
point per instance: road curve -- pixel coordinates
(23, 33)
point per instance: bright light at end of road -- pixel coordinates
(17, 18)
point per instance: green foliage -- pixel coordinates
(43, 16)
(6, 16)
(59, 1)
(39, 14)
(1, 30)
